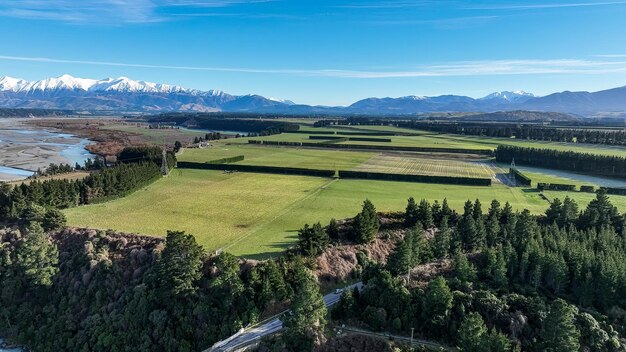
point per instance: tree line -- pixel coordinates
(137, 168)
(524, 131)
(605, 165)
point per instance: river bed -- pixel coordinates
(24, 149)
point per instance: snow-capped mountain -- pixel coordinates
(517, 96)
(67, 82)
(123, 94)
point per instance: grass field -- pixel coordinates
(432, 140)
(279, 156)
(258, 215)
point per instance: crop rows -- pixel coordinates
(428, 166)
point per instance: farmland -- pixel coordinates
(258, 215)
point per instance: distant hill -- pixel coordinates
(126, 95)
(33, 112)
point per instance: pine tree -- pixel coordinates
(441, 241)
(36, 256)
(492, 228)
(54, 220)
(463, 269)
(437, 304)
(312, 241)
(400, 260)
(467, 229)
(559, 333)
(366, 223)
(471, 334)
(308, 311)
(411, 215)
(424, 214)
(180, 264)
(333, 229)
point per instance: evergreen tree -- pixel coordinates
(447, 211)
(424, 214)
(467, 229)
(437, 304)
(492, 229)
(471, 334)
(312, 241)
(400, 261)
(436, 210)
(36, 256)
(333, 229)
(180, 264)
(366, 223)
(54, 220)
(463, 269)
(411, 215)
(441, 241)
(559, 333)
(307, 317)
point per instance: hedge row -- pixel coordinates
(616, 191)
(415, 178)
(335, 141)
(520, 178)
(257, 168)
(587, 189)
(365, 139)
(378, 147)
(342, 174)
(325, 137)
(367, 133)
(293, 144)
(555, 187)
(311, 132)
(232, 159)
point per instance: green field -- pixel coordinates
(258, 215)
(431, 140)
(279, 156)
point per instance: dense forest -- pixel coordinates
(604, 165)
(551, 283)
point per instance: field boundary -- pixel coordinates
(487, 152)
(453, 180)
(520, 178)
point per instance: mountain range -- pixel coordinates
(126, 95)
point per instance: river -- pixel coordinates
(2, 349)
(24, 149)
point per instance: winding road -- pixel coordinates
(253, 334)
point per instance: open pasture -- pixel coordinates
(258, 215)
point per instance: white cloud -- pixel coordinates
(454, 69)
(547, 6)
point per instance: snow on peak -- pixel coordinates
(284, 101)
(67, 82)
(509, 96)
(11, 84)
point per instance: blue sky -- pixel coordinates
(322, 52)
